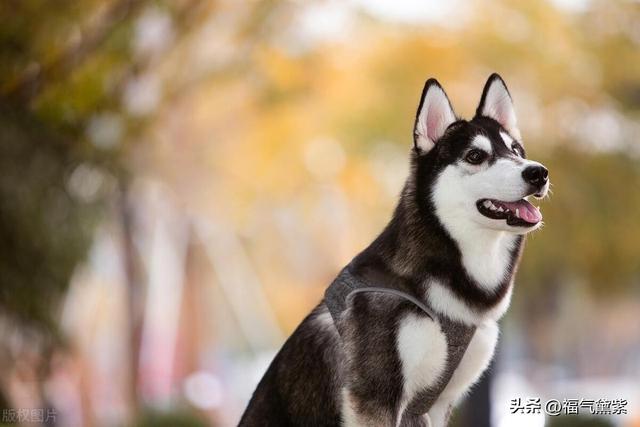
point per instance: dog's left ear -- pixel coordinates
(496, 103)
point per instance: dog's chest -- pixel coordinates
(424, 352)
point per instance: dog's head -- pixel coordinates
(475, 172)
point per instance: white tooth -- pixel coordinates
(517, 213)
(500, 209)
(492, 207)
(487, 203)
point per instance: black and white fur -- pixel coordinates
(444, 244)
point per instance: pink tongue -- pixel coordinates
(526, 210)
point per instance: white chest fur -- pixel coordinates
(422, 347)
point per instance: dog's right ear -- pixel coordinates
(434, 116)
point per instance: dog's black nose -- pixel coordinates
(536, 175)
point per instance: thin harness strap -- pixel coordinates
(395, 292)
(346, 285)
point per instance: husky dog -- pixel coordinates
(447, 260)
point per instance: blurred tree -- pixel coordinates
(63, 134)
(45, 226)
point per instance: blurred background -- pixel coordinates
(180, 180)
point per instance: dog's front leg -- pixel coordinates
(373, 380)
(373, 389)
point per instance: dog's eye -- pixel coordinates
(475, 156)
(516, 149)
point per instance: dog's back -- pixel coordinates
(302, 385)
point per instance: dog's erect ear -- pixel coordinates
(497, 104)
(433, 117)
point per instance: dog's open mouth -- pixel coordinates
(520, 213)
